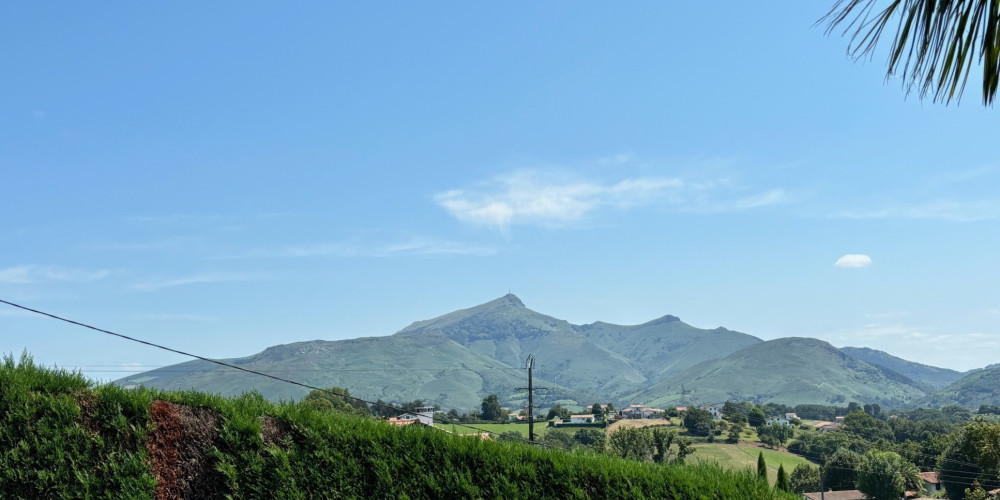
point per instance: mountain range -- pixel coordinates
(455, 360)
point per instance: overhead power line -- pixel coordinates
(228, 365)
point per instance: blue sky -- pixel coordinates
(223, 178)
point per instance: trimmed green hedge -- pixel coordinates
(61, 438)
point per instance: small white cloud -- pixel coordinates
(853, 260)
(30, 274)
(152, 286)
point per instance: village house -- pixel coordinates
(715, 410)
(776, 420)
(827, 426)
(641, 411)
(424, 416)
(581, 419)
(791, 415)
(932, 484)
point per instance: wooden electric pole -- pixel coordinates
(530, 365)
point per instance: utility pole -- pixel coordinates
(530, 365)
(822, 484)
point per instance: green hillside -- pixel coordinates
(456, 359)
(789, 370)
(61, 437)
(981, 387)
(666, 346)
(396, 368)
(931, 376)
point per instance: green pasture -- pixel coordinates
(738, 457)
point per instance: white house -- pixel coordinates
(641, 411)
(715, 410)
(776, 420)
(582, 419)
(424, 415)
(791, 415)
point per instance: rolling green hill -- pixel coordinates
(395, 368)
(456, 359)
(666, 346)
(977, 388)
(931, 376)
(601, 358)
(789, 370)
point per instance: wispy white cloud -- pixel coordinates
(174, 218)
(853, 260)
(427, 246)
(18, 313)
(151, 286)
(412, 246)
(950, 210)
(545, 198)
(887, 315)
(139, 245)
(31, 274)
(172, 317)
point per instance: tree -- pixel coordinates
(610, 408)
(685, 447)
(956, 471)
(597, 410)
(981, 443)
(491, 409)
(976, 455)
(336, 399)
(756, 417)
(862, 424)
(936, 42)
(774, 434)
(804, 479)
(558, 439)
(782, 482)
(635, 443)
(662, 439)
(840, 470)
(592, 438)
(558, 411)
(510, 436)
(698, 421)
(761, 465)
(884, 475)
(734, 433)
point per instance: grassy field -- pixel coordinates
(736, 457)
(540, 428)
(644, 422)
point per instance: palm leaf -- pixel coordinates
(936, 45)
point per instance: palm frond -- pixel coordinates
(936, 45)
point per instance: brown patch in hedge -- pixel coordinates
(179, 444)
(273, 431)
(88, 404)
